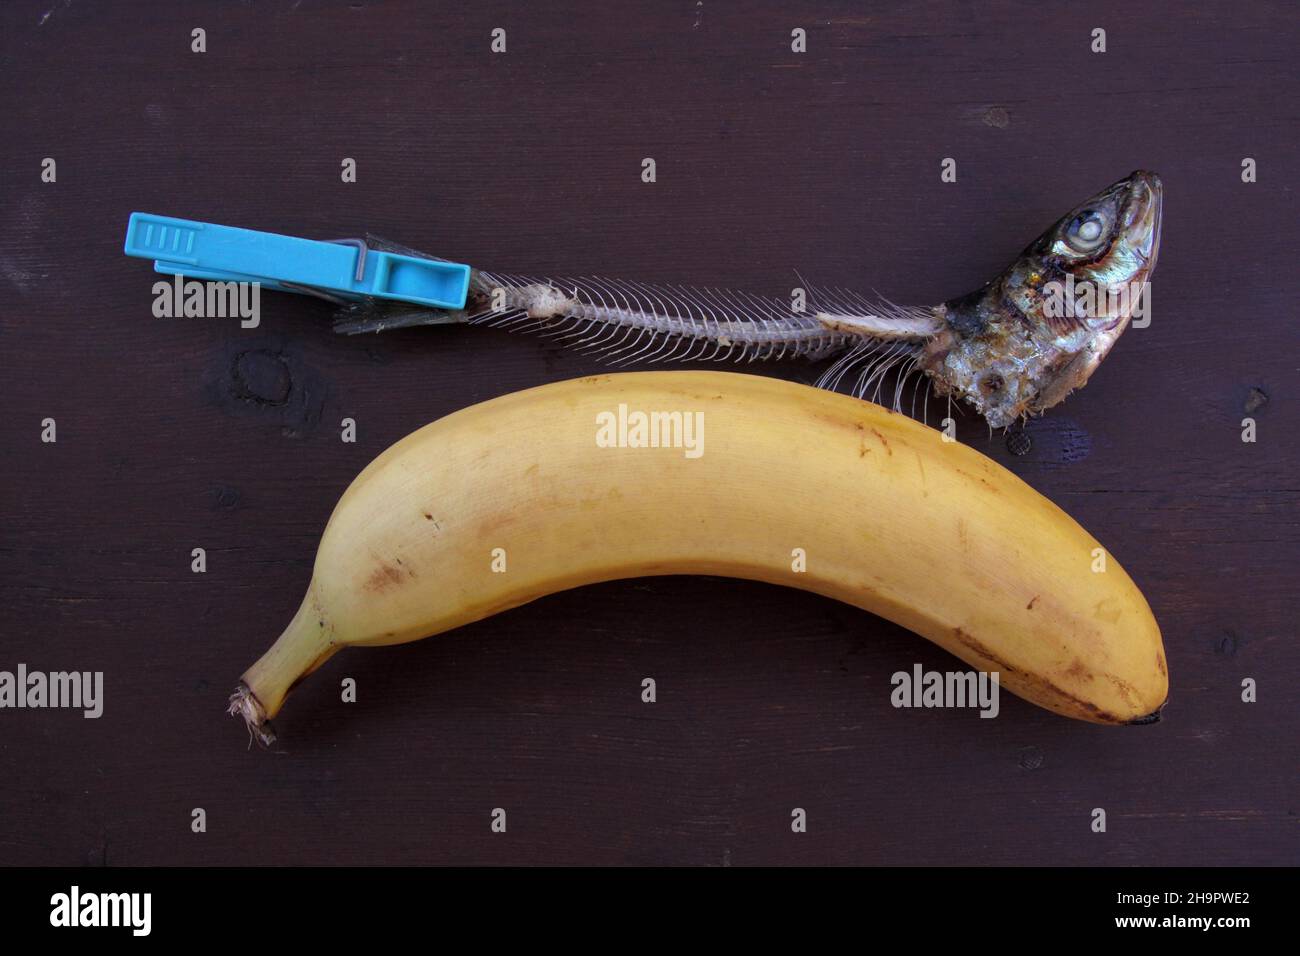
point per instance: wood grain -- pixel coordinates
(176, 434)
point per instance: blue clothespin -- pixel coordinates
(342, 268)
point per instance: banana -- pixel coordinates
(647, 473)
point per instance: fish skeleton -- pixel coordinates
(1010, 349)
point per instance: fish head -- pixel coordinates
(1027, 339)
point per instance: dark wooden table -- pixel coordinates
(174, 434)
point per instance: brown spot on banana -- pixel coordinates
(383, 577)
(1036, 688)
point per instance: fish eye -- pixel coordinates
(1086, 231)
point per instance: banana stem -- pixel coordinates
(305, 645)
